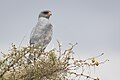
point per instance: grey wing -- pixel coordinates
(41, 36)
(35, 35)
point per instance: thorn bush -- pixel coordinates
(52, 65)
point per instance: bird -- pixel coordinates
(41, 34)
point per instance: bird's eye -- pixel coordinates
(45, 12)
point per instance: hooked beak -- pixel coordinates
(49, 14)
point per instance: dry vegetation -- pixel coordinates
(55, 64)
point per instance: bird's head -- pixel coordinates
(45, 13)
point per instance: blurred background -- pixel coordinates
(93, 24)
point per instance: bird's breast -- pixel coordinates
(43, 22)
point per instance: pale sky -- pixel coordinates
(93, 24)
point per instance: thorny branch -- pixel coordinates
(52, 65)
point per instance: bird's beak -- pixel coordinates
(49, 14)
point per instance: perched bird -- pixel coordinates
(41, 34)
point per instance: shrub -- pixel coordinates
(52, 65)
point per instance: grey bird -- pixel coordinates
(41, 34)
